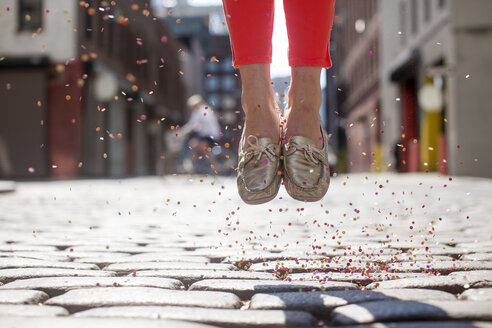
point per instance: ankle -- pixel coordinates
(305, 89)
(258, 101)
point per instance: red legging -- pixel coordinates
(309, 25)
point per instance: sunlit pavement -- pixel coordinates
(378, 248)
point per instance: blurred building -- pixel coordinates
(86, 87)
(412, 79)
(354, 82)
(435, 66)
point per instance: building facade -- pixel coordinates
(435, 78)
(86, 88)
(356, 77)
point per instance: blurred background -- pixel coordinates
(100, 88)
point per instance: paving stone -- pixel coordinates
(22, 296)
(26, 248)
(120, 248)
(477, 294)
(294, 266)
(128, 267)
(450, 284)
(221, 317)
(8, 263)
(247, 288)
(37, 255)
(478, 257)
(58, 285)
(323, 302)
(444, 250)
(164, 257)
(426, 324)
(8, 275)
(7, 186)
(358, 250)
(348, 263)
(478, 245)
(107, 260)
(455, 282)
(255, 257)
(77, 255)
(100, 261)
(439, 266)
(29, 310)
(188, 231)
(410, 310)
(73, 322)
(476, 279)
(188, 277)
(355, 277)
(389, 258)
(147, 257)
(80, 299)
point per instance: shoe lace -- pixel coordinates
(255, 150)
(313, 155)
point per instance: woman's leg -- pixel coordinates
(250, 24)
(309, 25)
(258, 102)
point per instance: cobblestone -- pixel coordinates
(323, 302)
(136, 250)
(58, 285)
(476, 279)
(426, 324)
(119, 248)
(21, 310)
(220, 317)
(245, 289)
(188, 277)
(22, 297)
(8, 275)
(8, 263)
(408, 310)
(128, 267)
(478, 257)
(479, 294)
(80, 299)
(36, 255)
(64, 322)
(162, 257)
(7, 186)
(26, 248)
(355, 277)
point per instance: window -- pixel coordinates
(227, 65)
(88, 24)
(212, 67)
(414, 16)
(427, 10)
(212, 83)
(213, 100)
(30, 15)
(228, 83)
(403, 22)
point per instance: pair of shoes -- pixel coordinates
(306, 168)
(306, 175)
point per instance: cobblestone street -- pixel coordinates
(379, 251)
